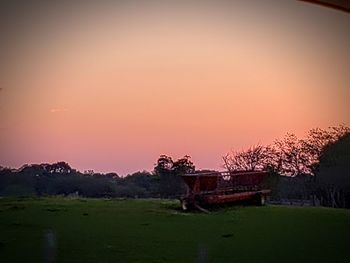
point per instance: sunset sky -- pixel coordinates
(111, 85)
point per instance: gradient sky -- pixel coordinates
(110, 86)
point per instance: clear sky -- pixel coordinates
(111, 85)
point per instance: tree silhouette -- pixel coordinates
(332, 175)
(252, 159)
(169, 172)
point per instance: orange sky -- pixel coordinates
(110, 87)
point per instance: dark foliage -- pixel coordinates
(333, 174)
(169, 172)
(60, 179)
(315, 169)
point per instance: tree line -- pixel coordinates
(312, 168)
(315, 167)
(61, 179)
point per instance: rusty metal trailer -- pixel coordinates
(213, 188)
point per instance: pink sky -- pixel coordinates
(111, 87)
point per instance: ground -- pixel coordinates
(91, 230)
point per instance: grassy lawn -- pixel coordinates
(89, 230)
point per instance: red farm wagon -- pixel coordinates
(214, 188)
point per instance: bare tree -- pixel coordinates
(249, 160)
(289, 156)
(316, 141)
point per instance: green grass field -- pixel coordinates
(90, 230)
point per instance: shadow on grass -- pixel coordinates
(175, 207)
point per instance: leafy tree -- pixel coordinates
(332, 175)
(59, 167)
(149, 183)
(169, 172)
(184, 165)
(164, 164)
